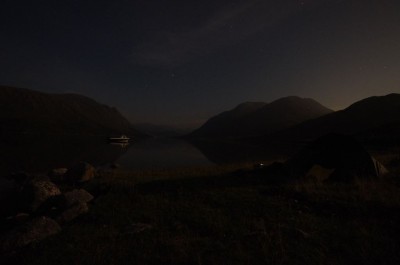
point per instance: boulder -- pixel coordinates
(32, 231)
(14, 220)
(137, 228)
(114, 166)
(19, 177)
(36, 193)
(20, 218)
(73, 212)
(81, 172)
(39, 177)
(57, 174)
(76, 196)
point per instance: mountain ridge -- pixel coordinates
(371, 114)
(258, 118)
(27, 111)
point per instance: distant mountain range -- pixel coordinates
(24, 111)
(297, 119)
(257, 118)
(368, 119)
(157, 130)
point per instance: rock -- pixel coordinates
(57, 174)
(99, 189)
(12, 221)
(36, 193)
(76, 196)
(137, 228)
(72, 213)
(32, 231)
(20, 218)
(81, 172)
(114, 166)
(19, 177)
(38, 177)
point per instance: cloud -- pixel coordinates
(228, 26)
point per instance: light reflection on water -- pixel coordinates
(39, 155)
(43, 154)
(162, 153)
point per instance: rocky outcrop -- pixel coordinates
(37, 193)
(76, 196)
(80, 172)
(136, 228)
(38, 196)
(58, 174)
(32, 231)
(72, 213)
(19, 177)
(75, 204)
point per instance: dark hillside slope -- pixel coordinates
(226, 123)
(283, 113)
(370, 117)
(24, 111)
(254, 119)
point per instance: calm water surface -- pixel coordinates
(162, 153)
(43, 154)
(39, 155)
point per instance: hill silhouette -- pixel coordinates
(157, 130)
(370, 118)
(257, 118)
(25, 111)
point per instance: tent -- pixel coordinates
(335, 157)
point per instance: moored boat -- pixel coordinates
(120, 139)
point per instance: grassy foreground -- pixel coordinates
(220, 216)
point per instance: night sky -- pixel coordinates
(182, 61)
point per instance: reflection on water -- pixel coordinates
(121, 145)
(162, 153)
(41, 154)
(36, 154)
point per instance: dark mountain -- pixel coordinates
(374, 117)
(24, 111)
(156, 130)
(256, 118)
(225, 123)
